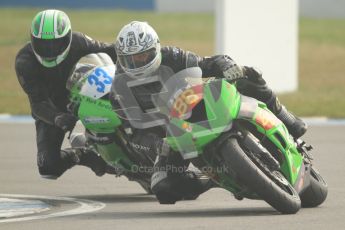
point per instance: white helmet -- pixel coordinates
(138, 49)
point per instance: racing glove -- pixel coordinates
(231, 71)
(65, 121)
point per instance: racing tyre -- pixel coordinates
(316, 193)
(273, 188)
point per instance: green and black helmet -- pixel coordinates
(51, 37)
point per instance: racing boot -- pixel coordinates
(93, 161)
(200, 183)
(172, 182)
(88, 158)
(53, 168)
(295, 125)
(162, 185)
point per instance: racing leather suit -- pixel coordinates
(48, 97)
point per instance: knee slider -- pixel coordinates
(51, 167)
(50, 172)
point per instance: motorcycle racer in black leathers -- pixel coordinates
(139, 55)
(43, 67)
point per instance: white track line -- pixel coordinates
(86, 206)
(10, 207)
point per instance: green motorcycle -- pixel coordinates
(89, 87)
(233, 139)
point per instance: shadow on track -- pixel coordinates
(120, 198)
(177, 211)
(229, 212)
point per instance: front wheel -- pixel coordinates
(273, 188)
(316, 193)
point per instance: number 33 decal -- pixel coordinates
(100, 78)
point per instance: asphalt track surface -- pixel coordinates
(126, 206)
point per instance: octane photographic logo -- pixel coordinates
(169, 168)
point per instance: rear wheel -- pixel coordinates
(316, 193)
(269, 186)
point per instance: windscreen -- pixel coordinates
(152, 100)
(188, 108)
(93, 75)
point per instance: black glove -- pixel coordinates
(230, 70)
(65, 121)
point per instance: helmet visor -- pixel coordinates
(50, 48)
(138, 60)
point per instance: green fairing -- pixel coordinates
(220, 113)
(293, 159)
(114, 156)
(97, 115)
(193, 137)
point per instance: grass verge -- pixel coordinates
(321, 52)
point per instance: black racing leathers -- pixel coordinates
(48, 97)
(46, 87)
(173, 185)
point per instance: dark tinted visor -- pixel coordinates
(138, 60)
(50, 48)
